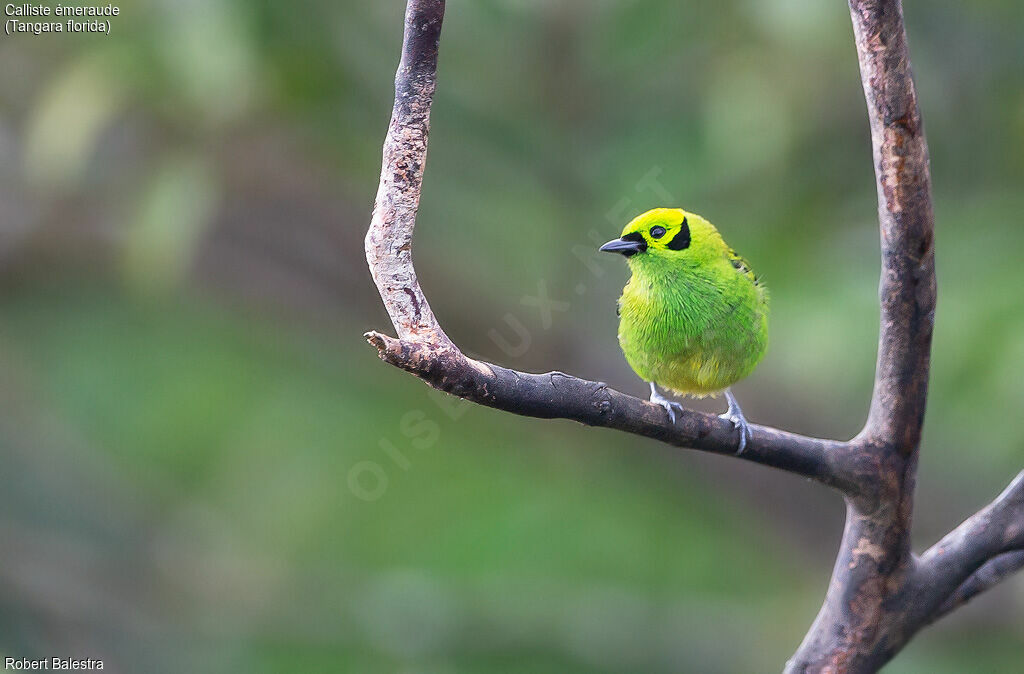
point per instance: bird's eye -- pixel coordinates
(657, 232)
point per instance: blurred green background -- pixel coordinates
(206, 469)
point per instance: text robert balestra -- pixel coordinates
(54, 664)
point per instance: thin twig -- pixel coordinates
(991, 573)
(996, 529)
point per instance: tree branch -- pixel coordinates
(977, 554)
(906, 222)
(425, 350)
(880, 594)
(389, 240)
(991, 573)
(558, 395)
(861, 625)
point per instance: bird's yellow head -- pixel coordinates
(669, 234)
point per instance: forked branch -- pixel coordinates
(982, 551)
(880, 594)
(425, 350)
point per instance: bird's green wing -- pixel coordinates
(743, 267)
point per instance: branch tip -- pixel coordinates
(381, 342)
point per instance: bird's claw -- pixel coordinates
(740, 423)
(670, 405)
(734, 415)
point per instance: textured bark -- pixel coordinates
(860, 626)
(880, 594)
(558, 395)
(991, 573)
(389, 240)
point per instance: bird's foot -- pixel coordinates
(735, 415)
(670, 405)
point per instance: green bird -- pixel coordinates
(693, 317)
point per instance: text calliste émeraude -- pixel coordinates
(38, 19)
(26, 9)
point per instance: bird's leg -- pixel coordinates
(735, 415)
(669, 405)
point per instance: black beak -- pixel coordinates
(625, 246)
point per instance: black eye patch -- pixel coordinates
(637, 237)
(657, 232)
(680, 241)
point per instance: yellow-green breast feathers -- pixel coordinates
(693, 316)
